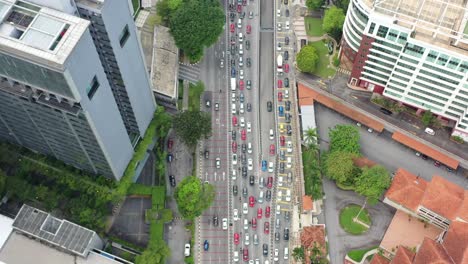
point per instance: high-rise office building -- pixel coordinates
(73, 88)
(414, 52)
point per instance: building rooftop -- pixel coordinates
(62, 233)
(403, 256)
(307, 203)
(456, 242)
(378, 259)
(406, 189)
(165, 63)
(431, 252)
(6, 226)
(33, 31)
(314, 236)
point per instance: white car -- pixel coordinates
(276, 255)
(187, 250)
(246, 224)
(218, 163)
(278, 27)
(270, 167)
(249, 148)
(272, 134)
(225, 224)
(287, 25)
(236, 214)
(286, 94)
(278, 209)
(289, 163)
(241, 108)
(239, 23)
(288, 195)
(249, 127)
(233, 97)
(250, 164)
(279, 196)
(242, 122)
(278, 12)
(289, 146)
(234, 159)
(245, 209)
(247, 239)
(236, 256)
(241, 74)
(280, 181)
(234, 174)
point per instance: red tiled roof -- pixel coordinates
(425, 149)
(378, 259)
(463, 210)
(403, 256)
(431, 252)
(456, 242)
(407, 189)
(307, 203)
(307, 96)
(313, 234)
(443, 197)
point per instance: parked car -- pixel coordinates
(206, 245)
(269, 106)
(385, 111)
(172, 180)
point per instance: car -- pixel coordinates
(280, 111)
(241, 85)
(170, 157)
(286, 68)
(280, 181)
(245, 209)
(247, 44)
(278, 48)
(234, 190)
(282, 155)
(241, 61)
(267, 211)
(249, 29)
(278, 209)
(287, 105)
(289, 146)
(215, 220)
(246, 224)
(244, 2)
(286, 26)
(233, 135)
(170, 143)
(250, 164)
(234, 159)
(278, 223)
(241, 37)
(271, 166)
(265, 250)
(287, 118)
(251, 201)
(385, 111)
(285, 2)
(272, 134)
(187, 250)
(276, 255)
(241, 74)
(270, 182)
(254, 223)
(232, 16)
(243, 148)
(239, 23)
(232, 27)
(259, 213)
(244, 171)
(245, 254)
(289, 130)
(235, 256)
(206, 245)
(287, 12)
(233, 73)
(436, 163)
(280, 84)
(218, 163)
(269, 106)
(221, 63)
(235, 214)
(216, 106)
(289, 162)
(280, 96)
(286, 82)
(249, 107)
(249, 148)
(252, 180)
(233, 97)
(286, 41)
(424, 157)
(282, 141)
(250, 15)
(268, 195)
(249, 127)
(225, 224)
(277, 236)
(272, 149)
(289, 177)
(249, 84)
(247, 239)
(266, 228)
(288, 195)
(264, 165)
(278, 12)
(279, 195)
(172, 180)
(243, 134)
(242, 122)
(236, 239)
(234, 146)
(429, 131)
(241, 97)
(249, 62)
(278, 27)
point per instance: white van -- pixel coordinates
(260, 197)
(233, 109)
(286, 253)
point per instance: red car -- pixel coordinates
(267, 211)
(234, 147)
(259, 213)
(239, 8)
(272, 149)
(280, 84)
(245, 254)
(269, 182)
(266, 228)
(280, 97)
(241, 85)
(251, 201)
(243, 134)
(282, 141)
(286, 68)
(236, 238)
(170, 143)
(234, 121)
(437, 163)
(254, 223)
(232, 28)
(249, 29)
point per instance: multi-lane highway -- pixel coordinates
(240, 75)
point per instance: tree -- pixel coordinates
(316, 256)
(298, 254)
(428, 118)
(311, 139)
(343, 4)
(372, 182)
(191, 126)
(2, 183)
(333, 22)
(340, 167)
(193, 196)
(307, 59)
(197, 24)
(314, 4)
(344, 138)
(155, 253)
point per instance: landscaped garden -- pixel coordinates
(347, 222)
(323, 69)
(358, 254)
(313, 26)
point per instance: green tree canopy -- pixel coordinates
(193, 196)
(191, 126)
(155, 253)
(311, 139)
(307, 59)
(314, 4)
(428, 118)
(343, 4)
(340, 167)
(2, 183)
(372, 182)
(197, 24)
(333, 21)
(344, 138)
(298, 254)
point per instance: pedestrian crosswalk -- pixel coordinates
(344, 71)
(189, 72)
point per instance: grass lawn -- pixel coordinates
(313, 26)
(324, 61)
(357, 254)
(346, 219)
(195, 91)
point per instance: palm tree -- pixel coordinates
(311, 139)
(298, 254)
(316, 255)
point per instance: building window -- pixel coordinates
(371, 28)
(124, 36)
(92, 88)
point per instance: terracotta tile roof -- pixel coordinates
(313, 234)
(443, 197)
(307, 203)
(307, 96)
(424, 149)
(456, 242)
(378, 259)
(403, 256)
(363, 162)
(462, 213)
(407, 189)
(431, 252)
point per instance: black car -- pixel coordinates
(232, 16)
(281, 167)
(249, 84)
(385, 111)
(215, 220)
(287, 12)
(207, 154)
(233, 63)
(269, 106)
(287, 215)
(243, 159)
(251, 180)
(234, 190)
(244, 171)
(286, 234)
(286, 41)
(243, 15)
(286, 82)
(289, 130)
(268, 195)
(244, 148)
(265, 250)
(233, 40)
(172, 180)
(206, 245)
(287, 118)
(249, 62)
(282, 155)
(245, 192)
(286, 55)
(233, 135)
(287, 105)
(424, 157)
(277, 236)
(170, 157)
(247, 44)
(249, 107)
